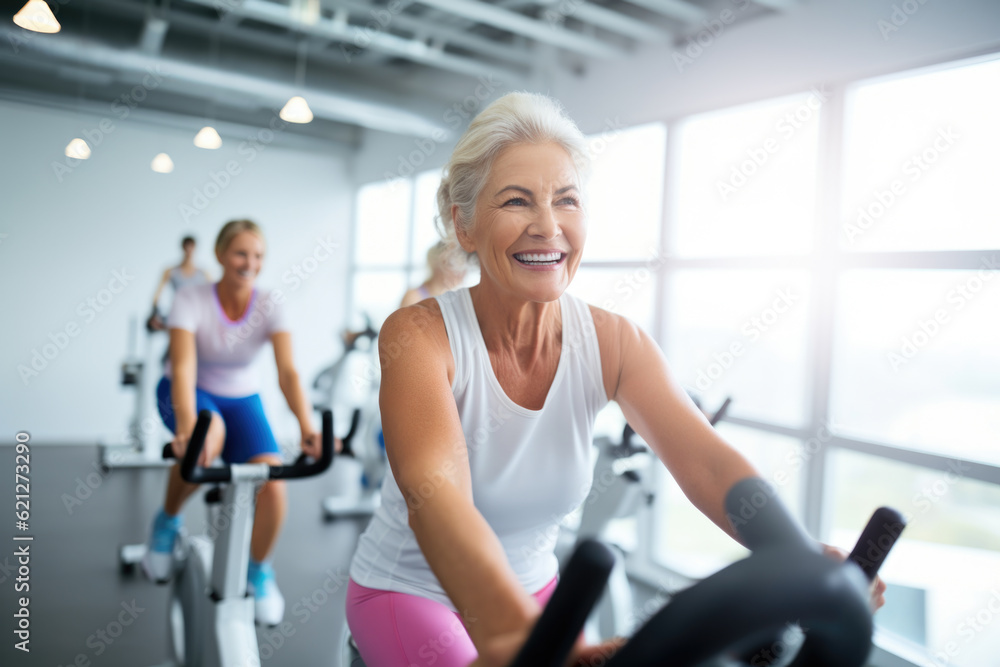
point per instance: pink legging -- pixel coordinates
(400, 630)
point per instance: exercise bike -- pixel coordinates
(622, 483)
(736, 616)
(350, 385)
(211, 618)
(140, 449)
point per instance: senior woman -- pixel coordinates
(488, 400)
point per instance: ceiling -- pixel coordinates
(391, 65)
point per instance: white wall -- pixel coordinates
(67, 233)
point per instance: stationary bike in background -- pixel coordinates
(350, 386)
(622, 483)
(211, 617)
(141, 449)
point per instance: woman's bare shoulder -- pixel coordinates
(419, 327)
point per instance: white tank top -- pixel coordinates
(529, 468)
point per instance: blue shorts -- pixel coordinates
(247, 432)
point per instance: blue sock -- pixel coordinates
(168, 520)
(258, 572)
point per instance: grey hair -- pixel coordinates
(515, 118)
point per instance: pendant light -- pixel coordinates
(37, 17)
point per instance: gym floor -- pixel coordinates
(84, 611)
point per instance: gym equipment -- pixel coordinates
(211, 619)
(622, 479)
(734, 616)
(140, 449)
(351, 384)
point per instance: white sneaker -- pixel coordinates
(269, 603)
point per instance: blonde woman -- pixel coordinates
(447, 272)
(216, 332)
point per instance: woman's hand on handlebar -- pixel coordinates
(877, 588)
(502, 650)
(180, 445)
(312, 443)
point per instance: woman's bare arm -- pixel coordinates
(184, 368)
(636, 375)
(291, 387)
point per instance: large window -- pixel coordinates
(840, 283)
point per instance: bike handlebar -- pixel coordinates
(742, 608)
(302, 467)
(580, 587)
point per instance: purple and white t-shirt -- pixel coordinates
(226, 349)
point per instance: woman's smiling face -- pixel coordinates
(241, 260)
(530, 228)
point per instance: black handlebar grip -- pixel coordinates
(878, 537)
(191, 472)
(721, 412)
(168, 451)
(761, 519)
(347, 450)
(301, 467)
(579, 589)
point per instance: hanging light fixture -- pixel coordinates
(78, 149)
(296, 110)
(37, 17)
(208, 138)
(162, 164)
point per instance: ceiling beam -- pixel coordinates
(780, 5)
(608, 19)
(598, 16)
(452, 36)
(541, 31)
(380, 40)
(178, 76)
(678, 10)
(154, 31)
